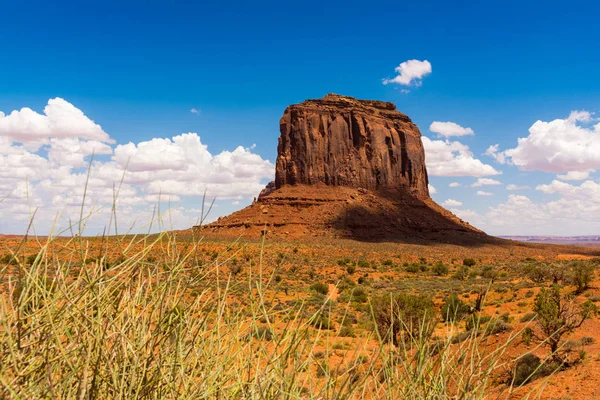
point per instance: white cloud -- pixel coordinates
(482, 193)
(452, 203)
(516, 187)
(432, 190)
(561, 145)
(485, 181)
(446, 158)
(61, 120)
(448, 129)
(575, 175)
(493, 152)
(410, 73)
(38, 169)
(195, 111)
(575, 212)
(455, 185)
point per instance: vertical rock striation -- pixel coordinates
(342, 141)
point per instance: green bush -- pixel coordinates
(440, 269)
(469, 262)
(320, 287)
(360, 295)
(558, 315)
(399, 312)
(412, 268)
(462, 273)
(453, 309)
(581, 276)
(528, 317)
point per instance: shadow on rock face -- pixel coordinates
(398, 217)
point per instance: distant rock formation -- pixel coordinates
(352, 169)
(341, 141)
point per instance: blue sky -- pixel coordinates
(137, 68)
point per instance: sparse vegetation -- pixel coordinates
(220, 311)
(558, 315)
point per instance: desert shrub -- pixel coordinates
(345, 283)
(320, 287)
(321, 321)
(360, 295)
(556, 272)
(558, 315)
(261, 333)
(495, 325)
(488, 272)
(323, 370)
(412, 268)
(235, 269)
(527, 336)
(475, 321)
(453, 309)
(536, 272)
(31, 258)
(506, 317)
(587, 340)
(387, 263)
(530, 367)
(363, 264)
(351, 269)
(462, 273)
(461, 337)
(527, 317)
(581, 276)
(439, 268)
(397, 313)
(469, 262)
(347, 331)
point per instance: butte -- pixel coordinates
(348, 168)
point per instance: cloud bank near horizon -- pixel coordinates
(44, 160)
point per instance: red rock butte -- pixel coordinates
(348, 168)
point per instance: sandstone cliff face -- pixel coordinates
(342, 141)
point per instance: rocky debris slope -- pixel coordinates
(352, 169)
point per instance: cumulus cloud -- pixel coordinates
(516, 187)
(44, 160)
(448, 129)
(432, 190)
(561, 145)
(493, 151)
(454, 185)
(446, 158)
(485, 181)
(452, 203)
(576, 211)
(61, 120)
(575, 175)
(410, 73)
(195, 111)
(482, 193)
